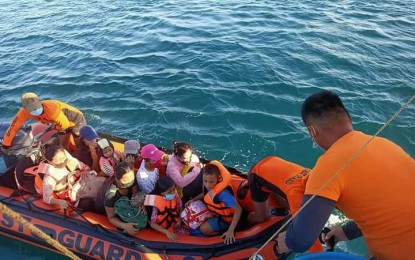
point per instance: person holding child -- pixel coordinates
(167, 205)
(220, 199)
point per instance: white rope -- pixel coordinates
(335, 175)
(16, 216)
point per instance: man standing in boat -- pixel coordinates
(66, 119)
(375, 189)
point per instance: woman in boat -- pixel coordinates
(66, 119)
(60, 163)
(220, 199)
(123, 185)
(167, 205)
(189, 182)
(109, 157)
(87, 151)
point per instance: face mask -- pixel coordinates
(125, 185)
(59, 165)
(37, 112)
(316, 146)
(170, 196)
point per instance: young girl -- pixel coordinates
(148, 173)
(219, 198)
(109, 157)
(167, 205)
(190, 181)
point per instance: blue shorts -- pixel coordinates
(217, 224)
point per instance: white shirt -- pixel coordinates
(146, 179)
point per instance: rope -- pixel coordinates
(38, 232)
(335, 174)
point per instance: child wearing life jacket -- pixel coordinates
(109, 157)
(219, 198)
(167, 205)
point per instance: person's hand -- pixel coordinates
(228, 237)
(63, 204)
(130, 229)
(92, 146)
(178, 223)
(189, 202)
(142, 210)
(336, 232)
(130, 159)
(171, 236)
(282, 247)
(84, 175)
(5, 150)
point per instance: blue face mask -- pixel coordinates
(37, 112)
(316, 146)
(170, 196)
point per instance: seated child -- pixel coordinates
(148, 174)
(158, 158)
(109, 157)
(219, 198)
(167, 205)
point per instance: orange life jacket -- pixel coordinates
(168, 211)
(289, 178)
(225, 213)
(61, 188)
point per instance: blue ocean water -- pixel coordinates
(228, 77)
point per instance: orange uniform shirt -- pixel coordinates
(62, 115)
(377, 191)
(288, 177)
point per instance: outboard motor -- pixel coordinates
(24, 146)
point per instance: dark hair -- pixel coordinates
(122, 168)
(163, 184)
(51, 151)
(181, 148)
(322, 104)
(211, 169)
(101, 151)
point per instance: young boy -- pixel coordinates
(219, 198)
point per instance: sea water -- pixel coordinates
(228, 77)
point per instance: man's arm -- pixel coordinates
(307, 225)
(351, 230)
(15, 125)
